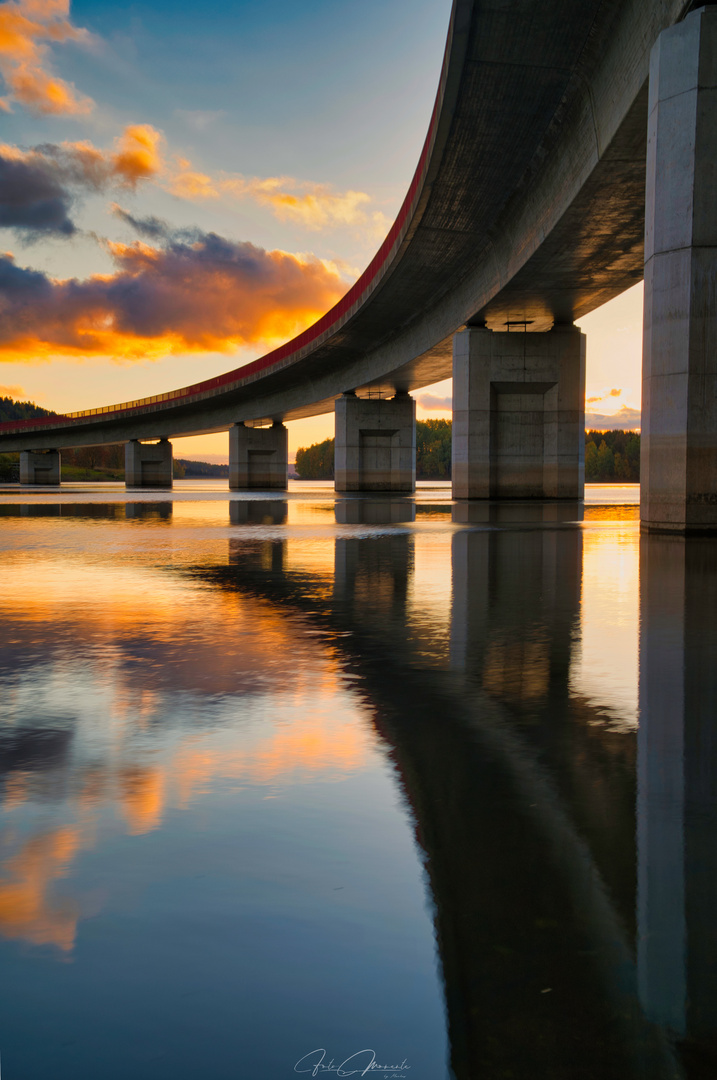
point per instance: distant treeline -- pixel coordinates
(20, 410)
(433, 454)
(202, 468)
(609, 455)
(612, 455)
(433, 449)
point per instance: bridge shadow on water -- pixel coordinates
(572, 867)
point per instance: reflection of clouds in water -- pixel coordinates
(143, 775)
(604, 666)
(154, 693)
(27, 908)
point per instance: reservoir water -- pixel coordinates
(390, 787)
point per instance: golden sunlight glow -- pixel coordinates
(196, 298)
(311, 205)
(604, 666)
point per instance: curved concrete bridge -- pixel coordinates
(526, 211)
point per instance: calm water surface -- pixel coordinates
(291, 781)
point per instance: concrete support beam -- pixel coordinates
(258, 457)
(679, 383)
(40, 468)
(148, 465)
(375, 447)
(519, 414)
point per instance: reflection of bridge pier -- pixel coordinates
(146, 511)
(677, 788)
(371, 576)
(253, 554)
(258, 511)
(534, 942)
(516, 594)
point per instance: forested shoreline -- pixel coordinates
(609, 455)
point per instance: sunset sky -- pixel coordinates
(182, 187)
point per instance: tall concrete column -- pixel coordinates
(258, 457)
(679, 385)
(148, 465)
(40, 467)
(519, 414)
(375, 447)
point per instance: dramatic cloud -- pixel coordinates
(39, 186)
(430, 401)
(32, 199)
(313, 206)
(194, 291)
(625, 419)
(27, 28)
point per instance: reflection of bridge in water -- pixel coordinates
(572, 867)
(567, 947)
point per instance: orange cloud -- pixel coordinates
(25, 28)
(313, 206)
(601, 397)
(195, 292)
(138, 154)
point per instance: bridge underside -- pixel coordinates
(529, 210)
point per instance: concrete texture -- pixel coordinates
(375, 447)
(258, 457)
(40, 468)
(528, 203)
(519, 414)
(679, 389)
(148, 465)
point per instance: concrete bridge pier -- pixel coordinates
(148, 465)
(375, 448)
(519, 414)
(40, 467)
(679, 382)
(258, 457)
